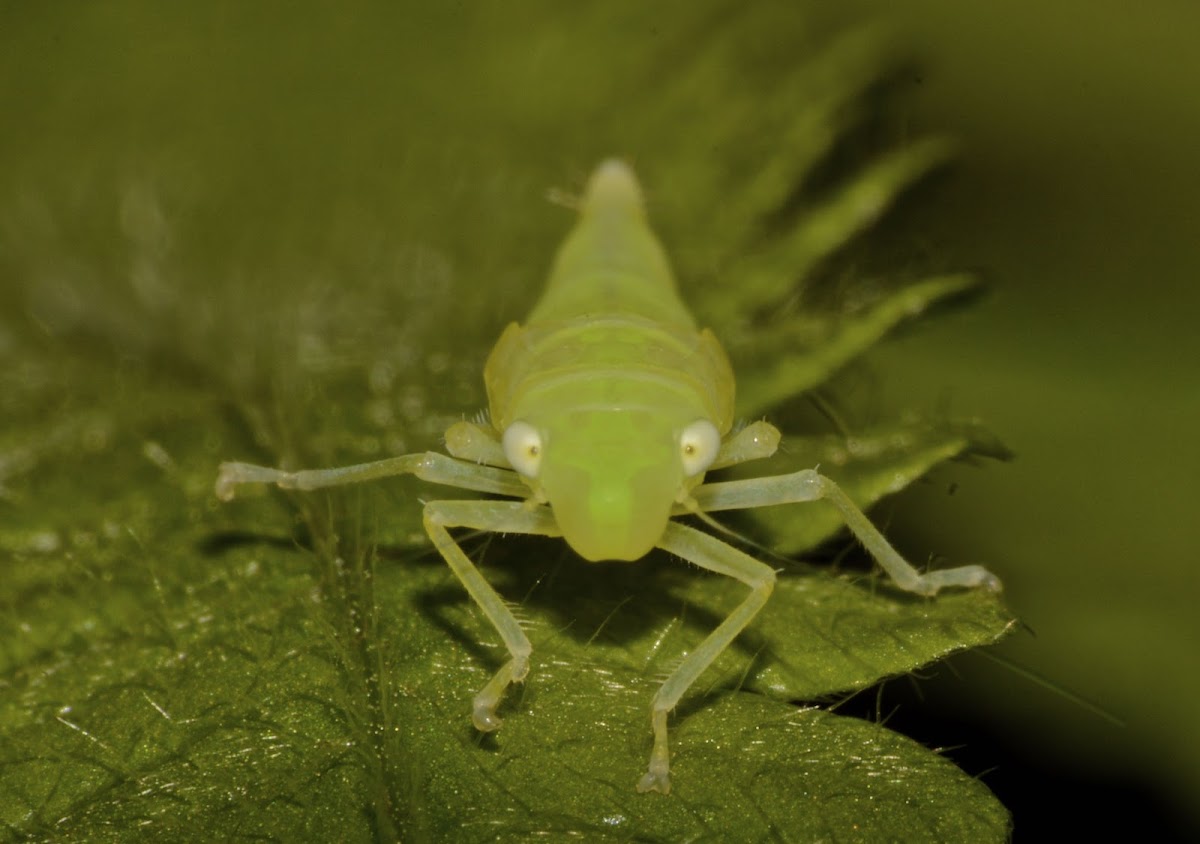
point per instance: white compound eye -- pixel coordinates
(698, 446)
(523, 448)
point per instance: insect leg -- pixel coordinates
(754, 442)
(500, 517)
(429, 466)
(710, 553)
(810, 485)
(468, 441)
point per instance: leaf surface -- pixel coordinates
(300, 667)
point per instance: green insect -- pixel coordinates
(607, 408)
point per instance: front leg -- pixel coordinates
(710, 553)
(428, 466)
(496, 517)
(810, 485)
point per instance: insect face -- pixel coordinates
(611, 478)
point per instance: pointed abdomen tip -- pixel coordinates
(613, 185)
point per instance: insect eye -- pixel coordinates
(523, 448)
(698, 446)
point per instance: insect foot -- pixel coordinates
(653, 780)
(230, 475)
(658, 777)
(483, 710)
(966, 577)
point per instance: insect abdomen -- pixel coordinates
(610, 332)
(611, 263)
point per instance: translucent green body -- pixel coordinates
(610, 368)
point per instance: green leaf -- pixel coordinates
(749, 770)
(804, 351)
(300, 667)
(166, 678)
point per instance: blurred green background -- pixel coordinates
(1077, 195)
